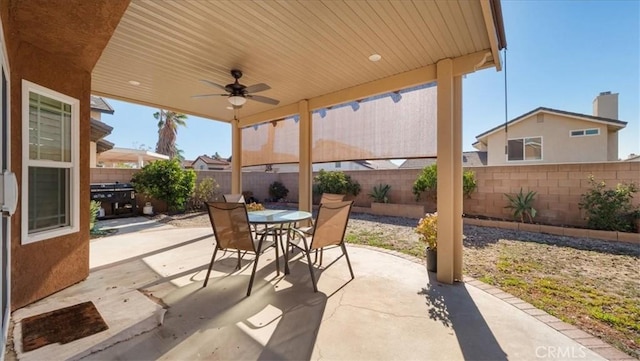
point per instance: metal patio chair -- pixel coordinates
(232, 231)
(326, 198)
(233, 198)
(329, 231)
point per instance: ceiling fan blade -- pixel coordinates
(262, 99)
(208, 95)
(256, 88)
(210, 83)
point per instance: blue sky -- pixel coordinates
(561, 54)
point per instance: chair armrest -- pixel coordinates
(300, 232)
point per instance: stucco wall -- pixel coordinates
(54, 44)
(557, 144)
(612, 146)
(42, 268)
(558, 186)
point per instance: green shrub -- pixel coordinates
(165, 180)
(522, 205)
(469, 184)
(335, 182)
(94, 208)
(379, 193)
(609, 209)
(427, 181)
(206, 190)
(278, 191)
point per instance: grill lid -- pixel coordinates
(111, 187)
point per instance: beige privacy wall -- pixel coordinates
(558, 186)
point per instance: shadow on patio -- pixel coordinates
(392, 310)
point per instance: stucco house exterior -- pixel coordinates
(205, 162)
(546, 135)
(99, 129)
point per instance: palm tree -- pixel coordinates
(168, 123)
(179, 154)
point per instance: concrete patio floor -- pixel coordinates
(146, 281)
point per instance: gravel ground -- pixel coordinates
(475, 237)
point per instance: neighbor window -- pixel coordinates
(50, 154)
(584, 132)
(525, 149)
(338, 165)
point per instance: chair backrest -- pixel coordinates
(331, 224)
(233, 198)
(230, 224)
(330, 198)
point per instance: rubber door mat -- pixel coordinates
(63, 326)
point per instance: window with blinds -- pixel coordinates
(51, 174)
(524, 149)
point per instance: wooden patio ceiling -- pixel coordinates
(315, 50)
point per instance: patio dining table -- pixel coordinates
(277, 217)
(278, 222)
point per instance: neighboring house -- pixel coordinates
(205, 162)
(633, 158)
(546, 135)
(469, 159)
(132, 158)
(99, 130)
(330, 166)
(103, 153)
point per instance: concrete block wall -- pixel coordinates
(558, 186)
(111, 175)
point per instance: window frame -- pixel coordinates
(73, 165)
(523, 149)
(584, 132)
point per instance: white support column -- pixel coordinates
(305, 165)
(140, 161)
(457, 179)
(236, 157)
(446, 186)
(93, 155)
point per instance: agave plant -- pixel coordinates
(522, 205)
(379, 193)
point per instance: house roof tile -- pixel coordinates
(100, 105)
(587, 117)
(469, 159)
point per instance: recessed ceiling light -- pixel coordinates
(133, 82)
(375, 57)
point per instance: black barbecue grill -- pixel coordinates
(118, 199)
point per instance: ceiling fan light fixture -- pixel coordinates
(237, 100)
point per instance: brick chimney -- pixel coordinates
(605, 105)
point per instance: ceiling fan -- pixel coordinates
(238, 93)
